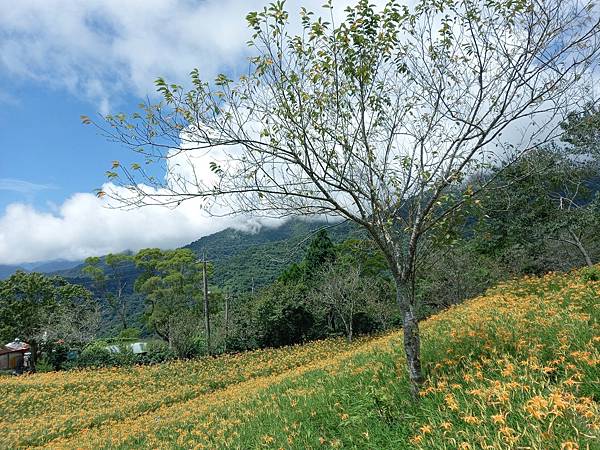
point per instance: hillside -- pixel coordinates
(43, 267)
(243, 259)
(7, 270)
(515, 368)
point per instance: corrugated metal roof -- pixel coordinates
(15, 346)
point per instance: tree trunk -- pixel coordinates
(412, 339)
(581, 248)
(122, 305)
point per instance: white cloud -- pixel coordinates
(100, 49)
(84, 226)
(22, 186)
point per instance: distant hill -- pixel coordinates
(43, 267)
(6, 270)
(243, 259)
(53, 266)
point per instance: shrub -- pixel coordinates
(129, 334)
(157, 352)
(43, 364)
(97, 354)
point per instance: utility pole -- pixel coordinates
(226, 318)
(206, 310)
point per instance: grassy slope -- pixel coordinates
(517, 367)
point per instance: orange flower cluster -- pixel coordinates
(517, 367)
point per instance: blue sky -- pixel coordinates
(47, 154)
(59, 60)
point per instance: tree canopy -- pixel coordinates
(387, 119)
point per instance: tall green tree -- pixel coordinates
(35, 308)
(108, 276)
(171, 280)
(548, 200)
(378, 119)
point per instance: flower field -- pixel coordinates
(516, 368)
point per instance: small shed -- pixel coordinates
(15, 356)
(139, 348)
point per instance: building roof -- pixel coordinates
(15, 346)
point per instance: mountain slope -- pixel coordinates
(515, 368)
(243, 260)
(43, 267)
(7, 270)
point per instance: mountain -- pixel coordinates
(40, 266)
(55, 265)
(6, 270)
(243, 260)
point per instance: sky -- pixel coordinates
(60, 60)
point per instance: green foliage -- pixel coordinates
(283, 316)
(320, 252)
(171, 281)
(43, 365)
(32, 304)
(542, 206)
(157, 352)
(129, 334)
(109, 278)
(582, 131)
(98, 354)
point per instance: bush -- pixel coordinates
(97, 354)
(129, 334)
(157, 352)
(55, 354)
(43, 365)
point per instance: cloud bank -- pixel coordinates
(100, 51)
(85, 225)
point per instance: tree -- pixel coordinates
(582, 131)
(36, 308)
(346, 292)
(548, 199)
(379, 119)
(171, 281)
(320, 252)
(109, 272)
(283, 316)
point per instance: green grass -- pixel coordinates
(516, 368)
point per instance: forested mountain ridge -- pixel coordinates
(6, 270)
(243, 259)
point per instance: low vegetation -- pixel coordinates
(517, 367)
